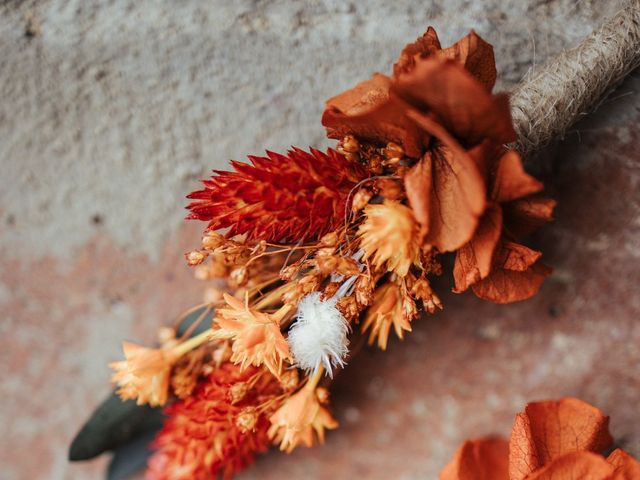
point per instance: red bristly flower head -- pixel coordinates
(218, 429)
(279, 198)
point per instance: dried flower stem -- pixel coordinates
(192, 343)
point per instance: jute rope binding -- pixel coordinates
(558, 94)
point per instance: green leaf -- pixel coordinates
(115, 422)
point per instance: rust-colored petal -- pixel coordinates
(511, 181)
(516, 274)
(457, 200)
(476, 56)
(626, 467)
(363, 97)
(574, 466)
(514, 256)
(459, 101)
(417, 184)
(524, 216)
(423, 47)
(547, 430)
(369, 112)
(483, 459)
(508, 286)
(474, 260)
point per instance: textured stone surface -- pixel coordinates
(111, 113)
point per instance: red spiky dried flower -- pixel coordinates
(219, 428)
(279, 197)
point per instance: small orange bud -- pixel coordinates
(323, 395)
(238, 391)
(239, 276)
(329, 240)
(247, 419)
(360, 199)
(289, 380)
(350, 144)
(212, 240)
(393, 151)
(195, 257)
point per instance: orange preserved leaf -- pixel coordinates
(474, 260)
(483, 459)
(457, 199)
(515, 274)
(508, 286)
(547, 430)
(511, 181)
(526, 215)
(417, 184)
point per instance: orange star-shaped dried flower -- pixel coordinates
(144, 374)
(256, 335)
(388, 309)
(389, 236)
(550, 440)
(301, 419)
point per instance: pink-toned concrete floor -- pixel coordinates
(463, 372)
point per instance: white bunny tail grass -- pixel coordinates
(319, 335)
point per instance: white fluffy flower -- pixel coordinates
(319, 335)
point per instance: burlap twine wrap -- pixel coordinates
(558, 94)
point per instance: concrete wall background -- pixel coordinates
(113, 111)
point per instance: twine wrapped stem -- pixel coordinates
(555, 96)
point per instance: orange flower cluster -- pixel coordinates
(551, 440)
(420, 170)
(467, 193)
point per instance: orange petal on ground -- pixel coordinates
(459, 101)
(417, 184)
(457, 200)
(476, 56)
(474, 260)
(511, 181)
(626, 467)
(483, 459)
(574, 466)
(547, 430)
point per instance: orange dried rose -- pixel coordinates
(437, 106)
(550, 440)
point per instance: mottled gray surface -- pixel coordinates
(115, 109)
(111, 113)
